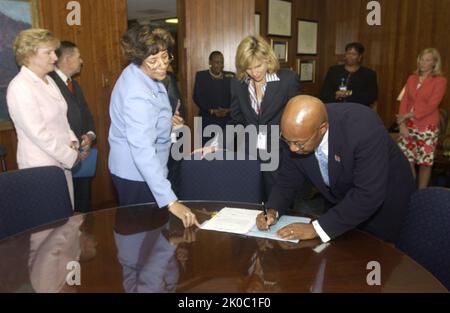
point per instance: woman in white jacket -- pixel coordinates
(38, 109)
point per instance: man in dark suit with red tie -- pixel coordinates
(80, 118)
(346, 152)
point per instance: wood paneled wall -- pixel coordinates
(207, 25)
(406, 28)
(301, 9)
(102, 24)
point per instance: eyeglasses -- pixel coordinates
(301, 145)
(297, 144)
(165, 58)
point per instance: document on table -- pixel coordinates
(232, 220)
(243, 221)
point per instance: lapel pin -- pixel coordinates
(337, 158)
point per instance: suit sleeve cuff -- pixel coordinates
(322, 234)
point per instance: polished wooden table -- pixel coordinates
(142, 249)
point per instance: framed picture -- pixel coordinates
(307, 37)
(15, 16)
(280, 48)
(257, 24)
(279, 21)
(306, 70)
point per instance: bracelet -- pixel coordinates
(171, 203)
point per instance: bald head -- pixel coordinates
(302, 117)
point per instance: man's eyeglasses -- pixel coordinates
(298, 144)
(301, 145)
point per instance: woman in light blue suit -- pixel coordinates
(141, 123)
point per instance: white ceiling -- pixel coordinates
(151, 9)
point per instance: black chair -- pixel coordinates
(32, 197)
(221, 180)
(425, 235)
(2, 158)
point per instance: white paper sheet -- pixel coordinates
(243, 221)
(232, 220)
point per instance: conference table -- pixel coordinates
(144, 249)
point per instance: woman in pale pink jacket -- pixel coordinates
(38, 109)
(419, 113)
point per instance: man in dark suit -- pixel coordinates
(345, 150)
(80, 118)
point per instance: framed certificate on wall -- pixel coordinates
(280, 48)
(306, 70)
(279, 21)
(307, 37)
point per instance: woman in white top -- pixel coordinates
(38, 109)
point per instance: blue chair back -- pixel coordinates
(221, 180)
(425, 235)
(32, 197)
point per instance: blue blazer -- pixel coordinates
(139, 136)
(370, 178)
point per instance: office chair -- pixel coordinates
(221, 180)
(2, 158)
(32, 197)
(425, 234)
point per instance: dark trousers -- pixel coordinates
(82, 194)
(132, 192)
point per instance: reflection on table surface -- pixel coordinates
(145, 249)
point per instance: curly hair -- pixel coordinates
(28, 41)
(251, 49)
(141, 41)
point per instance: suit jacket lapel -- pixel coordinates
(271, 91)
(334, 152)
(63, 87)
(311, 165)
(245, 94)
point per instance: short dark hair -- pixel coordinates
(355, 45)
(65, 46)
(141, 41)
(213, 54)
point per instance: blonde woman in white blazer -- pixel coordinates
(38, 109)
